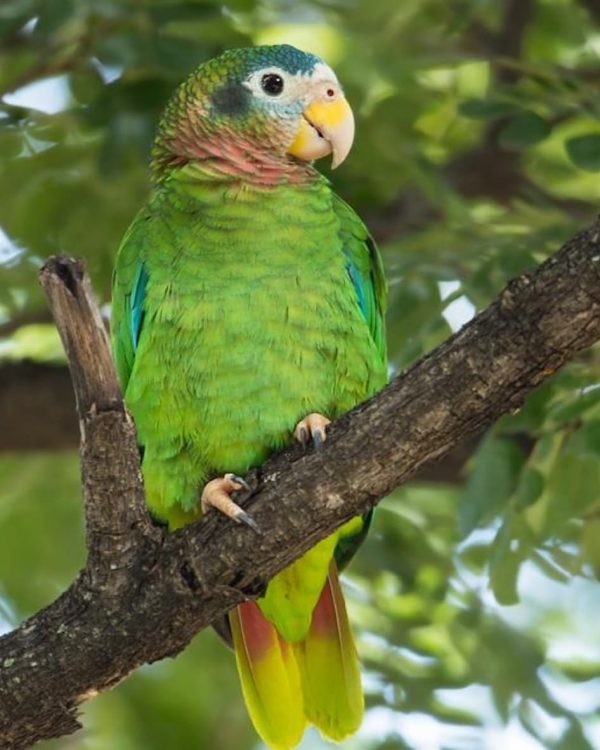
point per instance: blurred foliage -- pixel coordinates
(477, 154)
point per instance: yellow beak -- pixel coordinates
(326, 126)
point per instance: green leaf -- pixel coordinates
(590, 545)
(485, 109)
(511, 547)
(524, 130)
(53, 14)
(573, 486)
(589, 435)
(491, 483)
(584, 151)
(572, 405)
(530, 487)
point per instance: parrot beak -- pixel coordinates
(326, 126)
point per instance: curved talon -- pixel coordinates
(246, 518)
(217, 494)
(302, 434)
(314, 425)
(318, 440)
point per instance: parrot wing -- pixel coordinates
(128, 292)
(365, 269)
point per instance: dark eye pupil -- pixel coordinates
(272, 84)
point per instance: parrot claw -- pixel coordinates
(238, 480)
(318, 440)
(314, 426)
(246, 518)
(217, 494)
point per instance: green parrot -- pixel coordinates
(248, 304)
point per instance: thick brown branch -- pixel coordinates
(166, 587)
(82, 333)
(28, 389)
(112, 485)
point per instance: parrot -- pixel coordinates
(247, 313)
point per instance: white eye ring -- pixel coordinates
(282, 83)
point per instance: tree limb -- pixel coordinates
(144, 593)
(28, 389)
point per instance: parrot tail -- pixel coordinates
(269, 676)
(315, 680)
(328, 664)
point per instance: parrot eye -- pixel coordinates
(272, 84)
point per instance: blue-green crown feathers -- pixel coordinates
(245, 60)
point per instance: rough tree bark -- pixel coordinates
(144, 593)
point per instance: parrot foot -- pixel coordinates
(312, 426)
(217, 494)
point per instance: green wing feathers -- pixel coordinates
(366, 271)
(129, 282)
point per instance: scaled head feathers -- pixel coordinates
(259, 113)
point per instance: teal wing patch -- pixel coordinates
(136, 304)
(359, 287)
(365, 270)
(130, 280)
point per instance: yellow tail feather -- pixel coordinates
(269, 677)
(316, 679)
(328, 664)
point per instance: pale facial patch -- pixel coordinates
(298, 87)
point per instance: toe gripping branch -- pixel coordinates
(217, 494)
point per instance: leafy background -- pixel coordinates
(475, 599)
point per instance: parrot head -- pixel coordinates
(262, 110)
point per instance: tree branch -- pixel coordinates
(113, 494)
(145, 593)
(28, 389)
